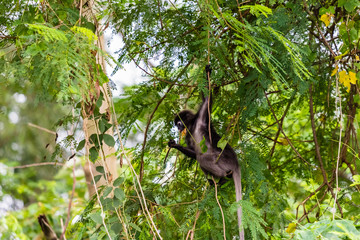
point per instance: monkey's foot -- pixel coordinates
(211, 182)
(222, 181)
(229, 174)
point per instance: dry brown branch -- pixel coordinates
(313, 127)
(278, 131)
(305, 215)
(192, 231)
(322, 39)
(49, 233)
(317, 149)
(308, 197)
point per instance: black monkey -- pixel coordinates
(214, 161)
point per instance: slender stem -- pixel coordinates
(222, 213)
(317, 146)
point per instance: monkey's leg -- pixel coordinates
(222, 181)
(208, 163)
(211, 182)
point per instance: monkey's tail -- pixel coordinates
(237, 181)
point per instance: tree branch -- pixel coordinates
(49, 233)
(282, 131)
(317, 149)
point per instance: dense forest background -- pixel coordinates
(78, 162)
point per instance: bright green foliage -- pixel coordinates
(51, 56)
(44, 197)
(282, 68)
(326, 229)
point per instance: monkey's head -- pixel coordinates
(184, 119)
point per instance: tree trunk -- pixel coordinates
(107, 157)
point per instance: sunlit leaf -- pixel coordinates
(326, 18)
(352, 77)
(291, 228)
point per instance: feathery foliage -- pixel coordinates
(287, 103)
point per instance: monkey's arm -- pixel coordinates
(185, 150)
(203, 113)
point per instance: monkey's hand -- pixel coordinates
(172, 143)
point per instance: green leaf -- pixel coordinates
(257, 10)
(109, 140)
(103, 78)
(118, 181)
(350, 5)
(203, 145)
(100, 100)
(136, 227)
(80, 145)
(93, 154)
(356, 180)
(323, 10)
(222, 143)
(94, 138)
(49, 34)
(116, 227)
(355, 198)
(102, 125)
(100, 169)
(119, 194)
(341, 3)
(353, 35)
(107, 191)
(96, 217)
(97, 178)
(116, 203)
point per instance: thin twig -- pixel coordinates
(161, 22)
(167, 154)
(308, 197)
(71, 132)
(192, 231)
(222, 213)
(279, 129)
(39, 164)
(317, 147)
(41, 128)
(282, 131)
(318, 28)
(143, 202)
(70, 201)
(318, 154)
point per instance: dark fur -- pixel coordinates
(210, 162)
(214, 161)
